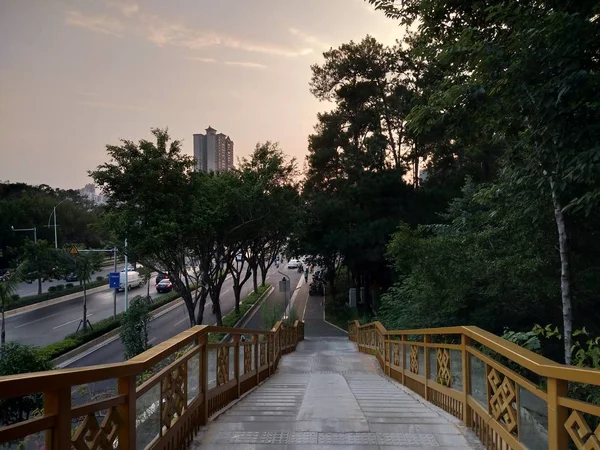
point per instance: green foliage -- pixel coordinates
(269, 316)
(26, 206)
(134, 328)
(291, 317)
(17, 358)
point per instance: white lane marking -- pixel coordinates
(71, 321)
(182, 320)
(35, 321)
(228, 290)
(151, 340)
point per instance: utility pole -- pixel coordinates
(115, 290)
(126, 278)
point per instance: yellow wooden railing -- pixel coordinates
(163, 412)
(465, 378)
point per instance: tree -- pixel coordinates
(150, 193)
(41, 262)
(146, 274)
(85, 264)
(8, 289)
(534, 70)
(17, 358)
(134, 328)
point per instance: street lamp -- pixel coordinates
(34, 229)
(53, 213)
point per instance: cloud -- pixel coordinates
(100, 23)
(249, 65)
(119, 106)
(204, 60)
(246, 64)
(166, 33)
(127, 9)
(309, 39)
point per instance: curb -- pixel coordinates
(53, 301)
(251, 312)
(108, 337)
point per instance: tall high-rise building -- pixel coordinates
(213, 152)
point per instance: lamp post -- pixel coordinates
(53, 213)
(34, 229)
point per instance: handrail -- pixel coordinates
(496, 413)
(180, 383)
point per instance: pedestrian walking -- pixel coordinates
(306, 275)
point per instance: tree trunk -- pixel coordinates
(217, 306)
(565, 272)
(263, 274)
(39, 286)
(255, 279)
(148, 290)
(84, 309)
(3, 337)
(237, 290)
(201, 305)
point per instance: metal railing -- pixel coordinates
(162, 396)
(509, 396)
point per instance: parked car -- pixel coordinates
(293, 264)
(161, 276)
(71, 277)
(134, 279)
(164, 286)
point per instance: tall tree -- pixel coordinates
(150, 193)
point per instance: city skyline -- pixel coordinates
(80, 75)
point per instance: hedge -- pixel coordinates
(55, 293)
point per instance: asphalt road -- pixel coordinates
(177, 320)
(50, 324)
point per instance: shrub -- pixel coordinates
(18, 358)
(15, 297)
(60, 287)
(68, 285)
(99, 278)
(52, 289)
(134, 328)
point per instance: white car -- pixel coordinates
(293, 264)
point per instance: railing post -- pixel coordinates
(403, 358)
(558, 438)
(255, 338)
(426, 368)
(236, 364)
(127, 412)
(202, 343)
(466, 374)
(58, 403)
(269, 345)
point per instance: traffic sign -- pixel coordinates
(74, 251)
(114, 280)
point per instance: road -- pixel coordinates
(50, 324)
(176, 320)
(26, 289)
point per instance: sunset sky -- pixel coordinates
(76, 75)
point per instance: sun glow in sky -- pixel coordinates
(76, 75)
